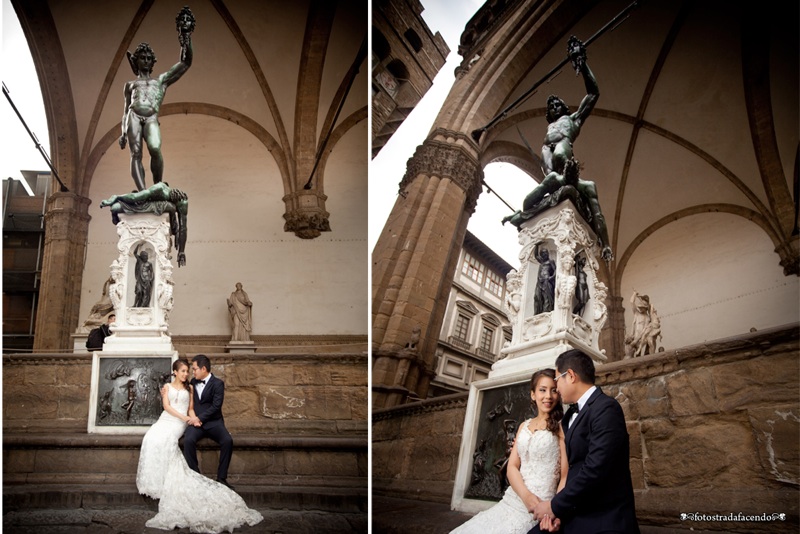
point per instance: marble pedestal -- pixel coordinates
(136, 358)
(141, 330)
(503, 399)
(539, 338)
(241, 347)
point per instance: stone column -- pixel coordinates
(613, 336)
(66, 231)
(415, 259)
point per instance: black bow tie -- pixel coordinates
(201, 381)
(574, 408)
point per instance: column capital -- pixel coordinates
(451, 155)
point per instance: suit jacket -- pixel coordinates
(209, 407)
(598, 496)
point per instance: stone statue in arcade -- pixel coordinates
(100, 310)
(646, 327)
(240, 309)
(143, 99)
(158, 198)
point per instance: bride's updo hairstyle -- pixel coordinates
(557, 413)
(177, 364)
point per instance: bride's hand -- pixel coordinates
(531, 501)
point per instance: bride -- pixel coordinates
(187, 498)
(537, 466)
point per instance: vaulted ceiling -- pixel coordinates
(698, 111)
(293, 74)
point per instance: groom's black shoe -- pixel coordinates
(224, 482)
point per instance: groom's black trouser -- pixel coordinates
(217, 433)
(537, 530)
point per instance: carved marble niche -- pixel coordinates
(578, 310)
(142, 306)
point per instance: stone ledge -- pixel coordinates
(94, 497)
(216, 358)
(435, 404)
(242, 441)
(19, 482)
(718, 351)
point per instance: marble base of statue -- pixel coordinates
(143, 286)
(136, 358)
(578, 310)
(241, 347)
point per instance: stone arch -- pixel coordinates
(739, 211)
(110, 137)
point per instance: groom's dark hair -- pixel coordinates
(202, 361)
(580, 363)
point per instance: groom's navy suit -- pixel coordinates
(208, 409)
(598, 496)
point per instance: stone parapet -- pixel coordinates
(713, 430)
(284, 394)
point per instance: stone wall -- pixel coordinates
(415, 448)
(299, 425)
(713, 427)
(288, 394)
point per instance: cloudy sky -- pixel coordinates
(17, 150)
(448, 17)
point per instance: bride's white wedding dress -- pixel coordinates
(187, 498)
(540, 466)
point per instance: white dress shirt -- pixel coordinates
(581, 403)
(201, 387)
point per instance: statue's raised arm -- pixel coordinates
(143, 99)
(185, 24)
(564, 127)
(577, 53)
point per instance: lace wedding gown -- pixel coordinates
(187, 498)
(540, 466)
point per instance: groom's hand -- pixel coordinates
(549, 524)
(195, 421)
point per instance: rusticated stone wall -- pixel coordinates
(713, 428)
(287, 394)
(415, 448)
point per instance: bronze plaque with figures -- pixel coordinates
(129, 390)
(502, 411)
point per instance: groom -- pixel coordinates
(209, 393)
(598, 496)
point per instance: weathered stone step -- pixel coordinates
(91, 470)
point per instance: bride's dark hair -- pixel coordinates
(557, 413)
(177, 365)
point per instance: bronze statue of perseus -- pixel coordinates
(144, 96)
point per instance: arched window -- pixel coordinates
(398, 69)
(380, 46)
(413, 39)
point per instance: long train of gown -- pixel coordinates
(540, 466)
(187, 498)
